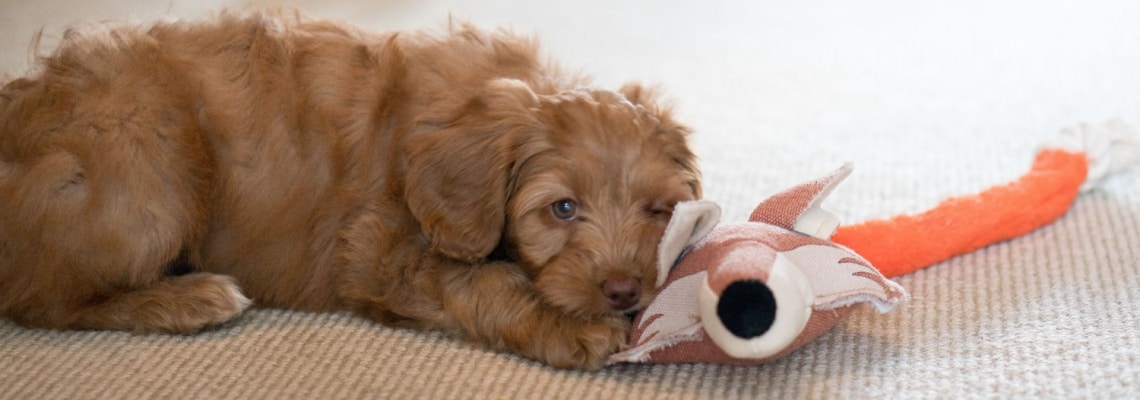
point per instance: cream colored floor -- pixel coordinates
(928, 98)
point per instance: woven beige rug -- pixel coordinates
(929, 99)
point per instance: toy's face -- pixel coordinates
(755, 287)
(749, 292)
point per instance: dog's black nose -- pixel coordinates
(622, 293)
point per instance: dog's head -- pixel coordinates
(578, 187)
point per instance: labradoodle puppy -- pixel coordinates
(155, 179)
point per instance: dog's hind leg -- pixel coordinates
(179, 304)
(88, 242)
(94, 210)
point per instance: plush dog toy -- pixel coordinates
(752, 292)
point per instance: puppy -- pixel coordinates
(151, 178)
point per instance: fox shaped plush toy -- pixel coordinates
(752, 292)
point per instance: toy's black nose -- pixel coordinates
(622, 293)
(747, 308)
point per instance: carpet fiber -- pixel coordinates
(929, 99)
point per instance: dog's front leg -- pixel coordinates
(497, 304)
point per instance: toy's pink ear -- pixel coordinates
(798, 208)
(691, 221)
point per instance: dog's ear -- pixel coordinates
(460, 168)
(639, 94)
(674, 134)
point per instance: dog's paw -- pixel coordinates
(584, 344)
(183, 304)
(188, 304)
(221, 299)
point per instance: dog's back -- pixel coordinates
(236, 145)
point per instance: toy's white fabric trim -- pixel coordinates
(817, 222)
(1111, 148)
(641, 354)
(691, 221)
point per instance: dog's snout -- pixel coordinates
(622, 293)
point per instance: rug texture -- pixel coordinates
(928, 99)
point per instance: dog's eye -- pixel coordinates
(565, 209)
(660, 213)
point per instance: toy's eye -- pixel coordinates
(565, 209)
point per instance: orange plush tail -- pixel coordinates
(905, 243)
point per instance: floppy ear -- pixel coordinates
(798, 208)
(460, 168)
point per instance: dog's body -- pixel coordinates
(149, 178)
